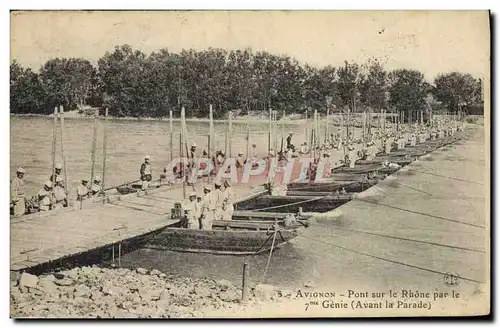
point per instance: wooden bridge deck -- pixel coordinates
(44, 238)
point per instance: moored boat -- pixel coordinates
(242, 241)
(135, 186)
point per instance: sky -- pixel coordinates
(431, 41)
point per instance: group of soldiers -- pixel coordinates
(216, 204)
(52, 195)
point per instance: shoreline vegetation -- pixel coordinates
(130, 83)
(293, 119)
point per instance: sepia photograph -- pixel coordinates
(249, 164)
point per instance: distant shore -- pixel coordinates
(292, 119)
(295, 119)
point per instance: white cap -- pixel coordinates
(271, 152)
(290, 132)
(207, 187)
(193, 144)
(97, 178)
(21, 170)
(48, 184)
(59, 166)
(193, 193)
(240, 153)
(85, 179)
(147, 157)
(217, 183)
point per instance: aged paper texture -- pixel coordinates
(249, 164)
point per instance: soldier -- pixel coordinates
(271, 167)
(240, 161)
(227, 205)
(207, 209)
(82, 191)
(192, 156)
(192, 151)
(45, 197)
(96, 186)
(146, 172)
(60, 197)
(58, 169)
(193, 212)
(327, 167)
(289, 144)
(218, 199)
(17, 194)
(253, 152)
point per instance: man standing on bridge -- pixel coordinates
(289, 144)
(146, 173)
(192, 212)
(17, 194)
(60, 196)
(207, 209)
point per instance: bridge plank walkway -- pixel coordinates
(38, 239)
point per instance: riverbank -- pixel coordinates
(92, 292)
(293, 119)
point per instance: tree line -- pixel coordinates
(131, 83)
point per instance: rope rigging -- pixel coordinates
(402, 238)
(387, 260)
(420, 213)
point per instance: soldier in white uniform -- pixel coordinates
(253, 152)
(60, 196)
(17, 194)
(82, 191)
(192, 212)
(207, 209)
(96, 186)
(218, 196)
(227, 205)
(240, 161)
(45, 197)
(57, 170)
(146, 173)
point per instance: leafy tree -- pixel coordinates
(122, 76)
(350, 78)
(457, 91)
(68, 82)
(26, 91)
(374, 87)
(408, 91)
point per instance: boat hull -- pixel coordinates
(224, 242)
